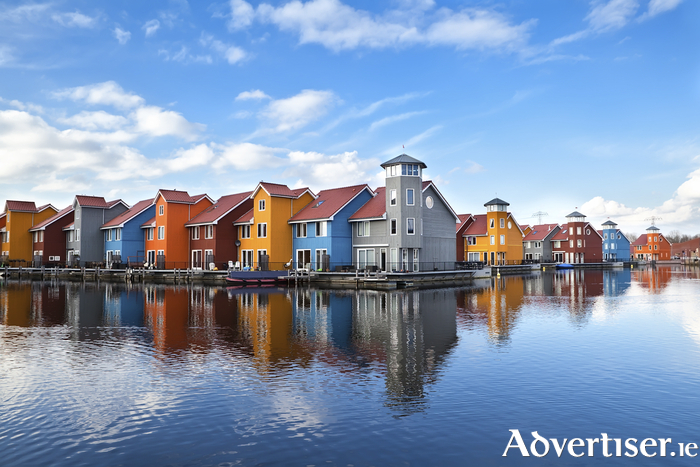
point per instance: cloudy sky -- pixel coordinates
(551, 105)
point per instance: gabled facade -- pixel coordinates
(123, 237)
(616, 246)
(465, 220)
(15, 238)
(167, 242)
(212, 234)
(321, 229)
(577, 241)
(688, 249)
(84, 239)
(264, 231)
(495, 238)
(651, 247)
(537, 245)
(49, 239)
(407, 226)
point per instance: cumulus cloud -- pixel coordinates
(231, 53)
(298, 111)
(320, 171)
(151, 27)
(188, 159)
(107, 93)
(23, 105)
(121, 35)
(156, 121)
(255, 94)
(99, 120)
(248, 156)
(74, 20)
(338, 26)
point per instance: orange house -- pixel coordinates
(16, 240)
(264, 233)
(651, 247)
(167, 243)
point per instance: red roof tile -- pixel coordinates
(462, 219)
(222, 207)
(246, 218)
(175, 196)
(641, 240)
(45, 206)
(115, 202)
(92, 201)
(52, 219)
(329, 202)
(276, 189)
(149, 223)
(129, 214)
(24, 206)
(539, 232)
(374, 208)
(478, 227)
(69, 226)
(563, 234)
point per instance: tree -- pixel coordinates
(632, 237)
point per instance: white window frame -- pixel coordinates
(245, 231)
(244, 260)
(208, 231)
(118, 234)
(503, 239)
(149, 234)
(161, 209)
(363, 229)
(262, 226)
(412, 197)
(503, 223)
(393, 227)
(416, 260)
(161, 232)
(408, 222)
(195, 232)
(493, 239)
(302, 230)
(77, 235)
(322, 229)
(492, 224)
(393, 198)
(109, 235)
(261, 205)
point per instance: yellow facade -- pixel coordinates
(278, 234)
(17, 225)
(503, 242)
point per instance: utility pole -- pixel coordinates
(539, 215)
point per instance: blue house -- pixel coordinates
(616, 246)
(124, 238)
(322, 227)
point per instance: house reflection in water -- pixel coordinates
(652, 278)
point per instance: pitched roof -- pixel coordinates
(45, 206)
(563, 234)
(609, 222)
(246, 218)
(428, 183)
(70, 226)
(329, 202)
(216, 211)
(375, 208)
(92, 201)
(576, 214)
(478, 227)
(404, 159)
(23, 206)
(463, 218)
(129, 214)
(641, 240)
(115, 202)
(540, 232)
(175, 196)
(497, 201)
(42, 225)
(653, 228)
(149, 223)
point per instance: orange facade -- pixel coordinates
(168, 237)
(17, 241)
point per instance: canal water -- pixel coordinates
(124, 375)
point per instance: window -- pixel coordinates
(409, 197)
(77, 235)
(261, 205)
(492, 224)
(109, 235)
(415, 259)
(35, 237)
(605, 236)
(579, 243)
(656, 247)
(321, 228)
(393, 198)
(612, 246)
(606, 246)
(493, 239)
(578, 230)
(363, 229)
(656, 239)
(161, 232)
(208, 231)
(471, 240)
(588, 231)
(411, 226)
(149, 234)
(161, 210)
(118, 234)
(245, 231)
(195, 233)
(429, 202)
(301, 230)
(503, 239)
(393, 227)
(404, 259)
(571, 243)
(503, 223)
(557, 244)
(70, 235)
(393, 170)
(262, 230)
(619, 236)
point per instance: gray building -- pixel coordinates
(537, 244)
(407, 226)
(85, 242)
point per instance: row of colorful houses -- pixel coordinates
(406, 225)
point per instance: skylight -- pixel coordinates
(319, 203)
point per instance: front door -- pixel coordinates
(303, 259)
(197, 259)
(382, 259)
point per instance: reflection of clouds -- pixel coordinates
(298, 413)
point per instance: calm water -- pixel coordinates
(187, 376)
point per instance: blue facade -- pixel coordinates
(130, 243)
(616, 247)
(338, 239)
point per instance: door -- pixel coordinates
(319, 258)
(382, 259)
(303, 259)
(493, 258)
(246, 258)
(196, 259)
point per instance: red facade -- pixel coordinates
(577, 242)
(49, 238)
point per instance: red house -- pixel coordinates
(577, 241)
(49, 239)
(212, 234)
(465, 220)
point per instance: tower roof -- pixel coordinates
(653, 228)
(404, 159)
(576, 214)
(497, 201)
(610, 223)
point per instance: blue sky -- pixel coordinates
(549, 105)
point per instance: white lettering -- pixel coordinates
(605, 440)
(690, 446)
(575, 443)
(662, 443)
(630, 444)
(591, 442)
(682, 451)
(520, 444)
(557, 448)
(539, 439)
(643, 447)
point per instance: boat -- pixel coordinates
(247, 278)
(564, 266)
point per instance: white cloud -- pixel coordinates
(319, 171)
(248, 156)
(338, 26)
(31, 12)
(107, 93)
(24, 105)
(188, 159)
(614, 14)
(474, 167)
(75, 19)
(155, 121)
(184, 56)
(298, 111)
(392, 119)
(99, 120)
(255, 94)
(151, 27)
(5, 55)
(661, 6)
(231, 53)
(121, 35)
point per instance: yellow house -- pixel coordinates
(495, 237)
(16, 240)
(263, 232)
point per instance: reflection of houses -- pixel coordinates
(651, 247)
(616, 281)
(652, 278)
(123, 306)
(166, 313)
(16, 305)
